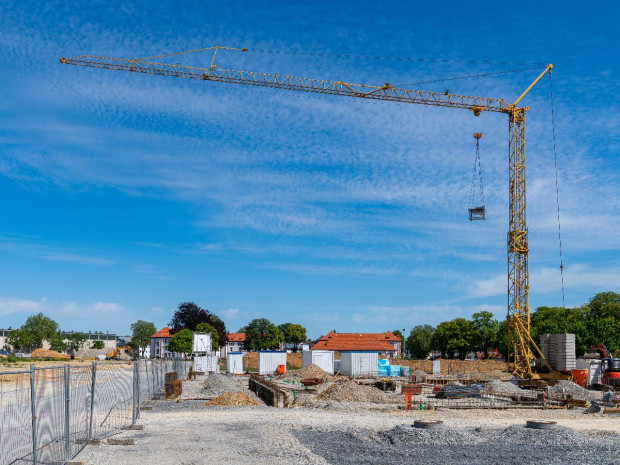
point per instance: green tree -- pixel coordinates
(458, 335)
(207, 328)
(188, 315)
(98, 344)
(40, 328)
(293, 333)
(262, 334)
(75, 342)
(500, 341)
(603, 320)
(182, 342)
(486, 328)
(20, 340)
(57, 343)
(141, 332)
(419, 341)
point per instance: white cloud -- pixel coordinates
(230, 313)
(10, 306)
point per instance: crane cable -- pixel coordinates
(478, 171)
(557, 191)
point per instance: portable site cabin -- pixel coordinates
(269, 360)
(234, 363)
(359, 363)
(324, 359)
(206, 363)
(202, 343)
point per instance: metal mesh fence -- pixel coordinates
(47, 415)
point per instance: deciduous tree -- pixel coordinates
(188, 315)
(182, 342)
(141, 332)
(293, 333)
(262, 334)
(419, 341)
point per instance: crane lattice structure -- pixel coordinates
(518, 317)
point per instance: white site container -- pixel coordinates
(359, 363)
(324, 359)
(234, 363)
(268, 361)
(206, 363)
(436, 367)
(202, 343)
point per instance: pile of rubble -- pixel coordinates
(217, 384)
(350, 391)
(568, 387)
(230, 399)
(310, 371)
(501, 387)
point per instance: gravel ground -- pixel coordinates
(187, 433)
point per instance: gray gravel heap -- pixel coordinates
(502, 387)
(217, 384)
(516, 445)
(575, 390)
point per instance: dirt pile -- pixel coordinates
(231, 399)
(349, 391)
(44, 353)
(479, 369)
(420, 376)
(311, 371)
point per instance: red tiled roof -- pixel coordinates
(355, 341)
(236, 337)
(164, 332)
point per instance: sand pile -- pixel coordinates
(232, 399)
(311, 371)
(44, 353)
(349, 391)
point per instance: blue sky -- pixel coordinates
(124, 195)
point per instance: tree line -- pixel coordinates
(595, 322)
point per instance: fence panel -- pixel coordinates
(79, 407)
(48, 414)
(15, 418)
(49, 408)
(113, 398)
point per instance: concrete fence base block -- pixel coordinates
(67, 463)
(121, 442)
(90, 442)
(134, 427)
(147, 408)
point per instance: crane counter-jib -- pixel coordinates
(252, 78)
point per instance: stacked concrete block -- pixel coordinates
(559, 350)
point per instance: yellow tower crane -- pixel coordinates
(524, 350)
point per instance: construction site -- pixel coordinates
(310, 164)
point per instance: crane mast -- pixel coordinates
(518, 317)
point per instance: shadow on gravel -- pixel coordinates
(515, 445)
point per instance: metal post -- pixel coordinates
(139, 388)
(34, 416)
(133, 395)
(67, 412)
(92, 400)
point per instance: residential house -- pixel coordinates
(234, 343)
(386, 344)
(159, 344)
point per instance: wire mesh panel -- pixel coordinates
(49, 407)
(80, 385)
(15, 418)
(113, 399)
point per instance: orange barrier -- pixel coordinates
(580, 377)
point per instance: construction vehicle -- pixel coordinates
(610, 368)
(119, 351)
(525, 353)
